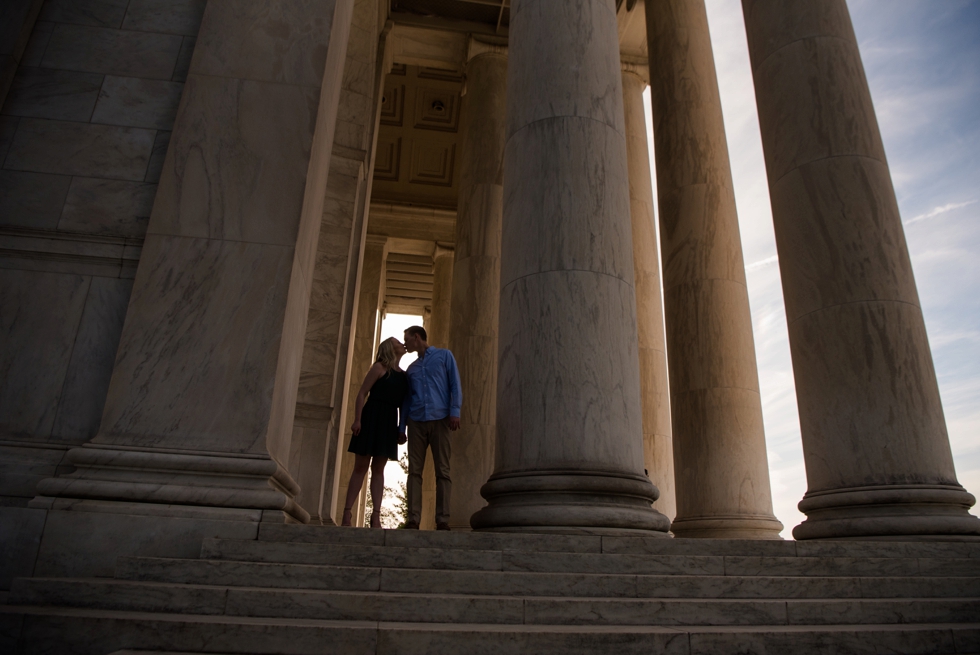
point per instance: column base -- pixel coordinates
(738, 526)
(889, 512)
(570, 502)
(177, 478)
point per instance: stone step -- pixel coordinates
(429, 539)
(874, 549)
(607, 544)
(346, 578)
(496, 560)
(457, 608)
(96, 632)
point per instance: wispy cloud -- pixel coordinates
(939, 210)
(762, 263)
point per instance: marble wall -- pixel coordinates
(17, 19)
(83, 133)
(211, 351)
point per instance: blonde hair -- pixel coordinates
(386, 354)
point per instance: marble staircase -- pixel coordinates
(300, 589)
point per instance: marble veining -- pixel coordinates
(162, 388)
(566, 201)
(238, 156)
(568, 73)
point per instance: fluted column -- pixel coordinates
(476, 275)
(658, 455)
(877, 453)
(720, 465)
(569, 453)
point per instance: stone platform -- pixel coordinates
(300, 589)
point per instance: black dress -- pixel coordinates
(379, 418)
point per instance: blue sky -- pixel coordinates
(922, 59)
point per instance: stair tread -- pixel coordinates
(459, 627)
(89, 582)
(509, 560)
(271, 533)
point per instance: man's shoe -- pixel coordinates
(442, 526)
(412, 525)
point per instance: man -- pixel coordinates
(432, 411)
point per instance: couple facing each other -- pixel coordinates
(429, 397)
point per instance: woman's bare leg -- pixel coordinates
(377, 489)
(361, 464)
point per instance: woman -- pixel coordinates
(375, 429)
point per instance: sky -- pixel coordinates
(922, 59)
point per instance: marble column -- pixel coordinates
(437, 330)
(442, 293)
(720, 465)
(569, 451)
(658, 455)
(476, 275)
(877, 453)
(367, 314)
(200, 404)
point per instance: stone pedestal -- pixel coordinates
(658, 454)
(569, 453)
(476, 276)
(877, 453)
(720, 465)
(200, 405)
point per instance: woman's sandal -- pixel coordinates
(373, 514)
(345, 521)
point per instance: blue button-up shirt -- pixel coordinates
(434, 388)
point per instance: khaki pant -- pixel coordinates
(422, 435)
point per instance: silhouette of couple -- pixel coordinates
(427, 397)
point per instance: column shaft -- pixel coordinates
(437, 330)
(569, 453)
(658, 455)
(877, 453)
(442, 293)
(370, 288)
(720, 464)
(476, 276)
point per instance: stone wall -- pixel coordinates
(83, 134)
